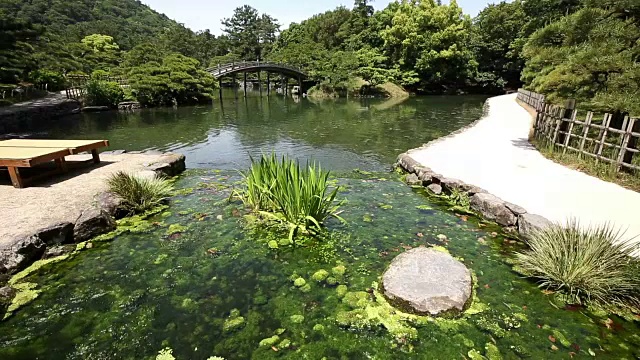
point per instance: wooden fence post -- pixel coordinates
(603, 138)
(564, 125)
(633, 127)
(568, 137)
(585, 133)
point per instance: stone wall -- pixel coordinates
(513, 217)
(28, 115)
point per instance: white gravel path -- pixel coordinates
(495, 155)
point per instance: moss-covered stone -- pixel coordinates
(26, 292)
(284, 344)
(341, 290)
(356, 299)
(35, 267)
(320, 275)
(339, 270)
(270, 341)
(331, 281)
(233, 322)
(176, 228)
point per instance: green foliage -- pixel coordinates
(16, 48)
(497, 45)
(585, 265)
(177, 81)
(282, 191)
(103, 93)
(250, 34)
(52, 80)
(590, 55)
(139, 194)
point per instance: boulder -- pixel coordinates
(7, 294)
(517, 210)
(427, 282)
(92, 222)
(169, 165)
(61, 233)
(530, 223)
(21, 253)
(449, 185)
(425, 174)
(408, 163)
(56, 251)
(493, 208)
(412, 179)
(109, 203)
(435, 188)
(472, 189)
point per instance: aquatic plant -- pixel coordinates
(282, 191)
(233, 322)
(591, 265)
(138, 193)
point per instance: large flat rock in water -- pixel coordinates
(427, 282)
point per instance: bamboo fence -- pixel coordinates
(610, 138)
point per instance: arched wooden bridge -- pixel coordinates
(255, 66)
(285, 71)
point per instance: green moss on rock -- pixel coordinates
(270, 341)
(233, 322)
(25, 293)
(341, 290)
(320, 275)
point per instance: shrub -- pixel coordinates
(283, 192)
(104, 93)
(139, 194)
(585, 265)
(54, 81)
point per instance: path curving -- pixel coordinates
(495, 155)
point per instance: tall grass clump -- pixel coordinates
(588, 266)
(284, 192)
(139, 194)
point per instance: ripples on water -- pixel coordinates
(340, 134)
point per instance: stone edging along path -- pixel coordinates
(96, 217)
(513, 217)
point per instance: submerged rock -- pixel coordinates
(427, 282)
(233, 322)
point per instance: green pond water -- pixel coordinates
(184, 282)
(340, 134)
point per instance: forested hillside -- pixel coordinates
(583, 49)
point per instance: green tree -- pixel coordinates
(497, 45)
(591, 55)
(178, 80)
(250, 34)
(16, 49)
(432, 41)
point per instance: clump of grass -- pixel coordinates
(139, 194)
(282, 191)
(588, 266)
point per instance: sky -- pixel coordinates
(207, 14)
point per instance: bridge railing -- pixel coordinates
(220, 69)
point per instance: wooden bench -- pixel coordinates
(20, 157)
(26, 153)
(74, 146)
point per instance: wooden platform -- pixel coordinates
(26, 153)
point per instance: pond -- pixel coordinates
(194, 279)
(340, 134)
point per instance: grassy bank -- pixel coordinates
(358, 88)
(587, 165)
